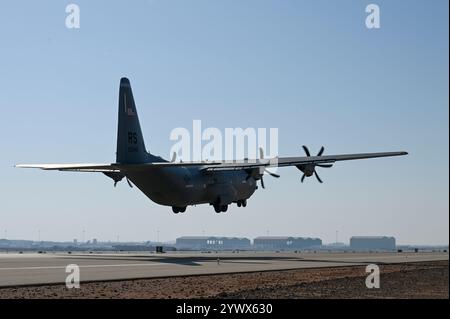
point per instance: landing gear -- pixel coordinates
(177, 210)
(220, 208)
(241, 203)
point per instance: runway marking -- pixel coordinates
(82, 266)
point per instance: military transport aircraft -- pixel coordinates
(181, 184)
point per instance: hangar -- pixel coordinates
(286, 243)
(372, 243)
(211, 242)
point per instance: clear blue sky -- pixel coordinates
(310, 68)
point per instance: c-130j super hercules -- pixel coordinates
(218, 183)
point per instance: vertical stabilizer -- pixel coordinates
(130, 142)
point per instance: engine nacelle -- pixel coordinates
(308, 170)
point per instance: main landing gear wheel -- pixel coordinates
(177, 210)
(220, 208)
(241, 203)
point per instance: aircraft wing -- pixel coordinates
(86, 167)
(212, 166)
(114, 167)
(295, 161)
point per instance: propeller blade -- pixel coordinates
(262, 183)
(115, 183)
(174, 157)
(261, 153)
(306, 151)
(128, 181)
(318, 178)
(325, 165)
(272, 174)
(303, 177)
(321, 151)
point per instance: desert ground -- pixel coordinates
(412, 280)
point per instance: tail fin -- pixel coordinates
(130, 142)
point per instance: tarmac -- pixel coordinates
(50, 268)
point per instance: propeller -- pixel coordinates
(310, 169)
(261, 156)
(117, 177)
(128, 181)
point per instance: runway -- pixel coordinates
(50, 268)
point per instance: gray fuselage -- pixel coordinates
(184, 186)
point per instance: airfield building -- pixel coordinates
(286, 243)
(372, 243)
(213, 243)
